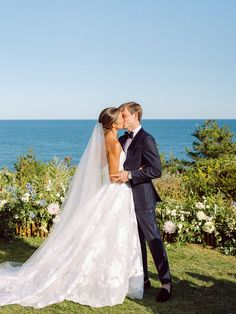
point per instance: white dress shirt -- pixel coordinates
(129, 140)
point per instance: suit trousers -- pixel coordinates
(149, 232)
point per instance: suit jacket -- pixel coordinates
(143, 152)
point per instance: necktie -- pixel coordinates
(129, 135)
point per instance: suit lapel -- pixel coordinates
(134, 141)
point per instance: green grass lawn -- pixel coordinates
(204, 281)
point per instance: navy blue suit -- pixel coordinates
(143, 152)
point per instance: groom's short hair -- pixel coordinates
(133, 107)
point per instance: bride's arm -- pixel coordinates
(113, 158)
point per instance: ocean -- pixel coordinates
(68, 138)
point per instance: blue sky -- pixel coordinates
(69, 59)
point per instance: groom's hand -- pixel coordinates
(122, 176)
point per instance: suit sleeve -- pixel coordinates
(152, 163)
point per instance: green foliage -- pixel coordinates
(210, 176)
(174, 165)
(28, 194)
(28, 169)
(206, 185)
(169, 186)
(212, 141)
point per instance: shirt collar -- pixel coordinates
(136, 130)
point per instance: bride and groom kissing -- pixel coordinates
(96, 253)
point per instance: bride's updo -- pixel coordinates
(108, 116)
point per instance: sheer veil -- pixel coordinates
(89, 176)
(92, 255)
(49, 259)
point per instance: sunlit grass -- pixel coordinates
(204, 281)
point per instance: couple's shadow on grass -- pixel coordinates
(196, 294)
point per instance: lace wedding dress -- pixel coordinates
(93, 254)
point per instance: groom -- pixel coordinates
(141, 166)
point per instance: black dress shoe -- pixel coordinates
(164, 295)
(147, 285)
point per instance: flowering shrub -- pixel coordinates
(33, 194)
(192, 219)
(36, 201)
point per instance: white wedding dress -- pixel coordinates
(92, 256)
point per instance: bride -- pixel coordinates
(93, 254)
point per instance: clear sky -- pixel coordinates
(69, 59)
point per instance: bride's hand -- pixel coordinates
(114, 178)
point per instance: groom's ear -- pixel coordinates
(136, 114)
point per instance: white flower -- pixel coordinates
(49, 186)
(173, 212)
(25, 197)
(201, 215)
(44, 229)
(169, 227)
(53, 209)
(168, 212)
(56, 219)
(208, 218)
(62, 198)
(58, 194)
(180, 226)
(199, 205)
(2, 203)
(182, 217)
(208, 227)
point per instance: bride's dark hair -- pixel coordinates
(108, 116)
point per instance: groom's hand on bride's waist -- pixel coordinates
(120, 177)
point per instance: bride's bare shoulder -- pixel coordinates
(112, 145)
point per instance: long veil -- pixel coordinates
(49, 261)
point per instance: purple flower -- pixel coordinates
(11, 189)
(32, 215)
(29, 188)
(42, 202)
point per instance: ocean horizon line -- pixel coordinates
(69, 137)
